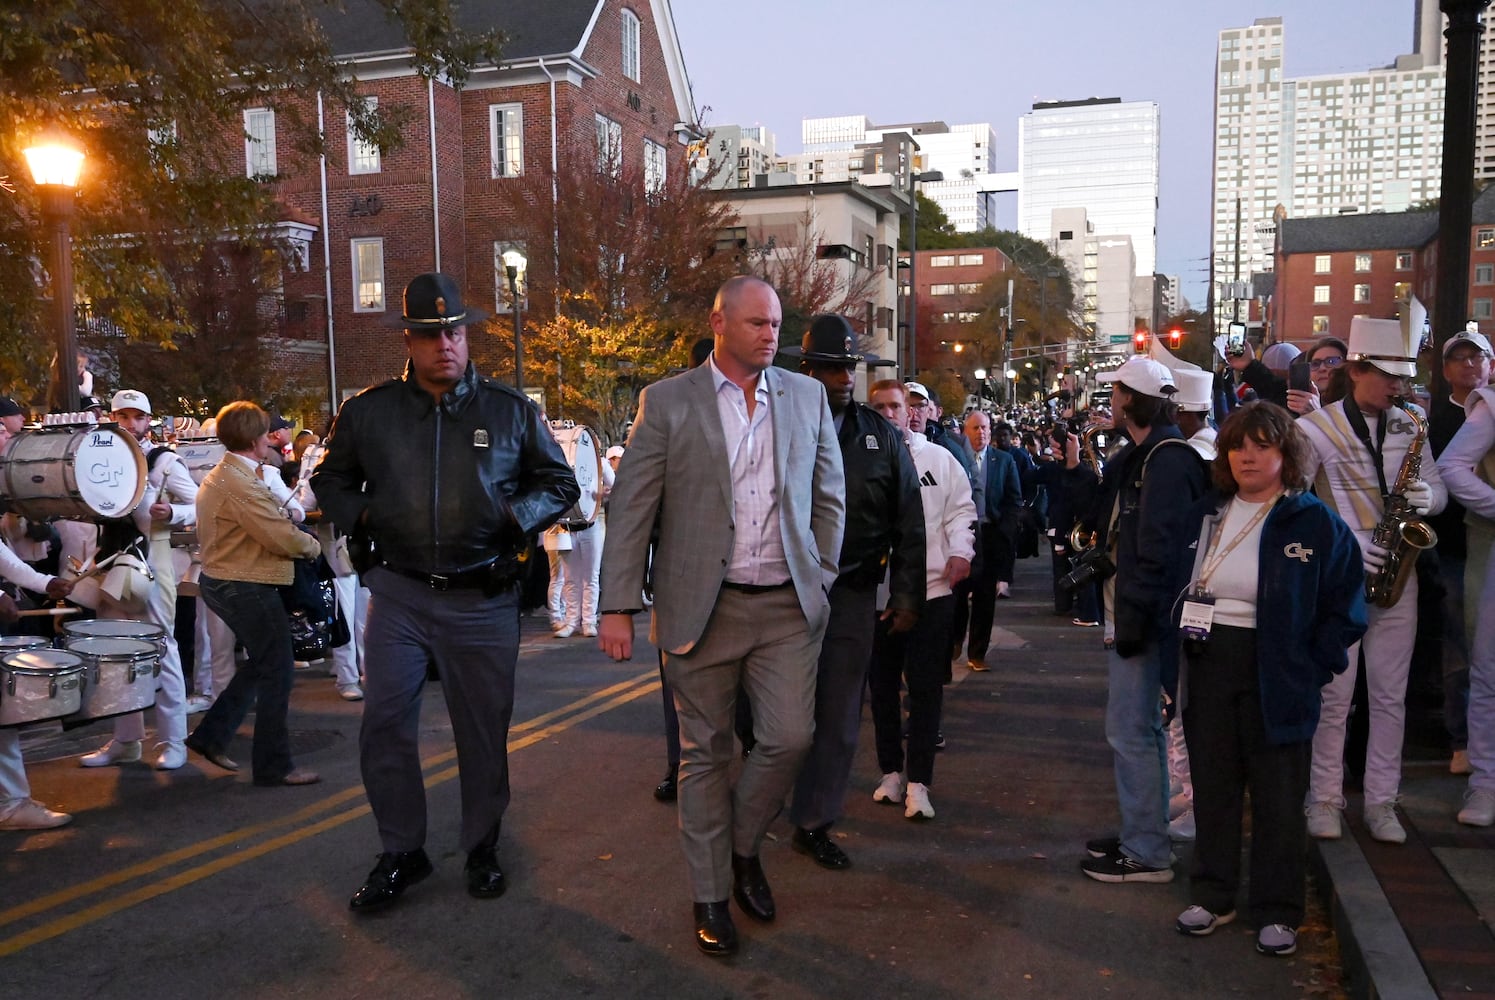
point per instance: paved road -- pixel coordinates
(196, 883)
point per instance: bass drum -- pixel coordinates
(585, 457)
(79, 474)
(199, 456)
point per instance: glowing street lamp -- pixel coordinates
(514, 264)
(54, 169)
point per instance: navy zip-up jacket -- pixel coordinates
(1310, 606)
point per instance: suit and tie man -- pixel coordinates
(884, 536)
(740, 462)
(997, 494)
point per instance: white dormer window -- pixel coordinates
(630, 45)
(363, 157)
(259, 142)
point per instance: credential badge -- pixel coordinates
(871, 444)
(480, 438)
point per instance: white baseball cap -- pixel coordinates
(616, 451)
(1473, 337)
(1143, 375)
(917, 388)
(130, 399)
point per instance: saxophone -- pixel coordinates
(1079, 539)
(1400, 532)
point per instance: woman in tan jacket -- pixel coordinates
(247, 545)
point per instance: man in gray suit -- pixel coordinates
(740, 462)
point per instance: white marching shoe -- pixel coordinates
(113, 752)
(890, 789)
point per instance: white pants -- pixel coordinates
(553, 597)
(1388, 659)
(215, 652)
(1479, 610)
(1180, 780)
(583, 565)
(171, 696)
(14, 788)
(353, 602)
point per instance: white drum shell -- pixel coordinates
(90, 474)
(200, 456)
(39, 684)
(120, 675)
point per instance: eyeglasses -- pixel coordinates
(1471, 360)
(915, 403)
(1332, 361)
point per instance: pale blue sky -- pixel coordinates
(773, 62)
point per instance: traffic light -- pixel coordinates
(1139, 341)
(1175, 338)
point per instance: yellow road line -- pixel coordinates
(599, 701)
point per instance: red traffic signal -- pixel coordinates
(1175, 338)
(1139, 341)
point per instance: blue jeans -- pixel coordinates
(257, 616)
(1134, 728)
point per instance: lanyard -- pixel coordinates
(1211, 561)
(1376, 448)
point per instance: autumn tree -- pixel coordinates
(622, 270)
(154, 91)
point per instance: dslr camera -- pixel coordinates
(1092, 566)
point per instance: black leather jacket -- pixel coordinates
(446, 488)
(884, 512)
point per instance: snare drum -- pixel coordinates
(199, 456)
(39, 684)
(89, 474)
(120, 675)
(16, 643)
(585, 458)
(114, 628)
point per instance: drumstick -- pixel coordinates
(36, 612)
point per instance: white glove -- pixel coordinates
(1419, 496)
(1373, 556)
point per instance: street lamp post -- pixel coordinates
(513, 264)
(913, 256)
(54, 168)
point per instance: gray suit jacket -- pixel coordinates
(676, 464)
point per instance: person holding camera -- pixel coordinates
(1151, 485)
(1071, 488)
(1258, 548)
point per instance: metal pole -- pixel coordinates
(513, 273)
(1456, 197)
(913, 287)
(57, 209)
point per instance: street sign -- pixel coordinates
(1119, 338)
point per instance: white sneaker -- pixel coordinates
(198, 703)
(350, 692)
(590, 631)
(29, 814)
(1479, 807)
(172, 756)
(1323, 821)
(1182, 827)
(1196, 921)
(565, 632)
(1381, 821)
(1277, 940)
(890, 789)
(556, 626)
(916, 803)
(113, 752)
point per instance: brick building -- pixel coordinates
(954, 333)
(573, 72)
(1334, 268)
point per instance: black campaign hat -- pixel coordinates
(830, 338)
(434, 302)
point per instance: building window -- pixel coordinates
(1482, 309)
(1362, 262)
(363, 157)
(654, 167)
(1400, 291)
(368, 276)
(630, 45)
(1362, 293)
(504, 300)
(969, 288)
(1484, 237)
(259, 143)
(1320, 294)
(506, 139)
(1484, 274)
(1404, 262)
(609, 146)
(161, 140)
(971, 259)
(1320, 324)
(941, 289)
(1321, 263)
(942, 260)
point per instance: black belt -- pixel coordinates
(575, 526)
(468, 579)
(754, 588)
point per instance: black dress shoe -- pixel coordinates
(750, 888)
(395, 872)
(485, 880)
(818, 845)
(667, 790)
(716, 935)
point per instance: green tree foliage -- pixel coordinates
(154, 92)
(936, 231)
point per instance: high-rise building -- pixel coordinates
(1368, 141)
(739, 154)
(1100, 155)
(845, 147)
(1429, 24)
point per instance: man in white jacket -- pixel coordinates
(917, 658)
